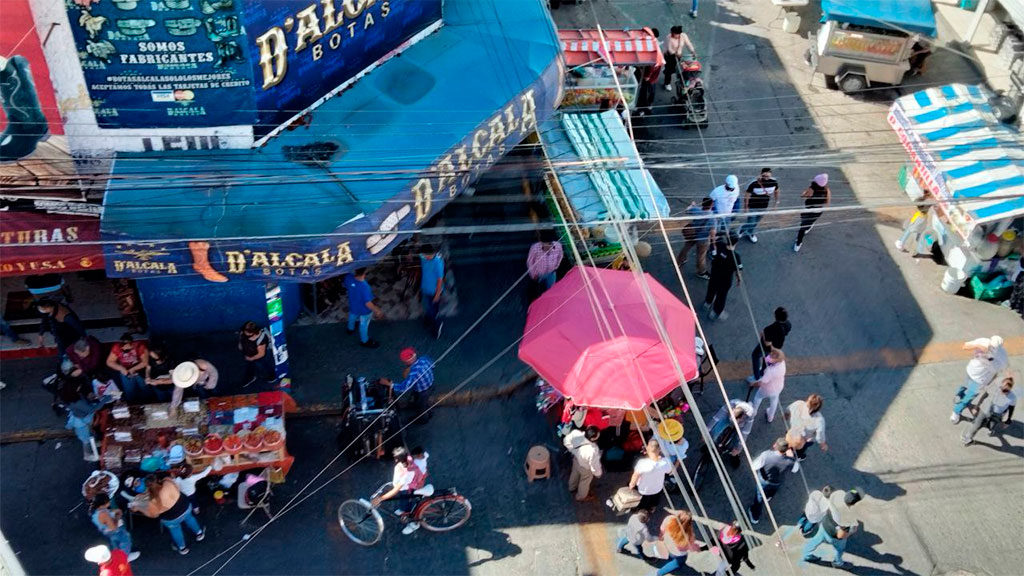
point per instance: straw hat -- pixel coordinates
(671, 430)
(185, 374)
(841, 502)
(98, 554)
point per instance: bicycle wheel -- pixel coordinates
(360, 522)
(444, 513)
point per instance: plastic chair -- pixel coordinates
(538, 463)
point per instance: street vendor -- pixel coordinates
(198, 376)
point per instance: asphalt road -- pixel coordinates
(934, 507)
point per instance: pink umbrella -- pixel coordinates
(600, 346)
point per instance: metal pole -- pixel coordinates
(979, 12)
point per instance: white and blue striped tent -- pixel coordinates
(973, 162)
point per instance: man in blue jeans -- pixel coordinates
(836, 527)
(432, 287)
(361, 307)
(989, 360)
(770, 467)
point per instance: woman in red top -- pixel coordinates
(130, 360)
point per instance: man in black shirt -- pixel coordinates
(770, 467)
(773, 336)
(836, 527)
(760, 193)
(724, 265)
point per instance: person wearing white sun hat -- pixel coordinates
(198, 374)
(111, 562)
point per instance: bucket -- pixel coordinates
(953, 280)
(791, 23)
(1006, 243)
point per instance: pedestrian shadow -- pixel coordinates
(1014, 430)
(498, 544)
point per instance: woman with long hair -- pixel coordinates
(677, 535)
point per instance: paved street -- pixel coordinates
(873, 334)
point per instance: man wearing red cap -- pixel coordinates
(419, 376)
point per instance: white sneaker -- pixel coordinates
(899, 246)
(796, 246)
(723, 316)
(410, 528)
(753, 238)
(134, 556)
(796, 467)
(954, 418)
(668, 87)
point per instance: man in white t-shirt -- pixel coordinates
(649, 476)
(725, 197)
(989, 360)
(1001, 400)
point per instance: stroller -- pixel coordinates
(368, 420)
(690, 93)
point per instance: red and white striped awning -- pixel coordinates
(627, 47)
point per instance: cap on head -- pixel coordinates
(995, 342)
(98, 554)
(821, 179)
(732, 182)
(176, 455)
(408, 355)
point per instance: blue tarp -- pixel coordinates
(379, 158)
(916, 16)
(602, 181)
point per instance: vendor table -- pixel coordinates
(245, 431)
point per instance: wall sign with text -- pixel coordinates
(303, 50)
(164, 63)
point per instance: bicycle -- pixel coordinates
(436, 511)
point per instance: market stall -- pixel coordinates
(972, 166)
(598, 351)
(244, 432)
(590, 81)
(592, 180)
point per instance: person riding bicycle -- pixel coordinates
(408, 477)
(724, 433)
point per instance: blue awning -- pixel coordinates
(915, 16)
(373, 165)
(972, 162)
(595, 163)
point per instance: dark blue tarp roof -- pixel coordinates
(916, 16)
(365, 150)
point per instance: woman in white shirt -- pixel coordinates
(806, 420)
(770, 386)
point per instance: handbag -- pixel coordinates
(625, 499)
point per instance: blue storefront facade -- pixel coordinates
(370, 150)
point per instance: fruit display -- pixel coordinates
(193, 446)
(273, 439)
(213, 444)
(233, 444)
(254, 440)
